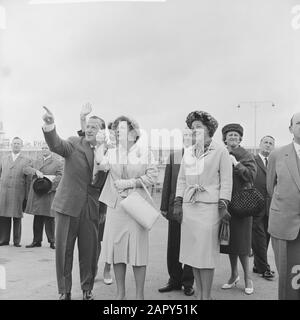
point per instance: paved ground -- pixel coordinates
(31, 273)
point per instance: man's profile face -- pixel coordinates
(92, 128)
(16, 145)
(267, 145)
(295, 127)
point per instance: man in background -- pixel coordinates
(40, 204)
(260, 235)
(179, 275)
(12, 193)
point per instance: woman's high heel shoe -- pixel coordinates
(231, 285)
(249, 290)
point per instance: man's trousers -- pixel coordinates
(5, 228)
(38, 226)
(260, 243)
(85, 230)
(287, 259)
(179, 275)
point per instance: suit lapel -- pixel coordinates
(291, 161)
(42, 163)
(260, 163)
(89, 153)
(13, 163)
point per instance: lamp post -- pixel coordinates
(255, 105)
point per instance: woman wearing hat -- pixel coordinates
(124, 240)
(244, 172)
(204, 184)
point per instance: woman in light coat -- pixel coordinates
(124, 240)
(204, 186)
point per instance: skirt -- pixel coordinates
(124, 240)
(200, 246)
(240, 236)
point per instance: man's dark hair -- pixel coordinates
(102, 122)
(291, 122)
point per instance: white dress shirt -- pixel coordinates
(297, 148)
(15, 156)
(263, 158)
(46, 158)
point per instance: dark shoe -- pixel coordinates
(4, 244)
(268, 275)
(17, 245)
(87, 295)
(34, 244)
(169, 287)
(255, 270)
(52, 245)
(65, 296)
(188, 291)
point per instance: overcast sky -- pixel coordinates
(155, 62)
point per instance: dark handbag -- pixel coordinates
(247, 202)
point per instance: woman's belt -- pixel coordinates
(192, 191)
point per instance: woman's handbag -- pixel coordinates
(140, 209)
(224, 233)
(246, 203)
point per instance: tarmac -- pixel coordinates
(30, 273)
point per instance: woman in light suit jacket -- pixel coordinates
(124, 240)
(204, 185)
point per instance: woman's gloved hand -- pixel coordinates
(177, 213)
(224, 214)
(123, 184)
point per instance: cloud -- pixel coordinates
(154, 62)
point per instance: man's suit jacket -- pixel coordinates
(170, 182)
(99, 180)
(75, 192)
(12, 185)
(260, 183)
(283, 185)
(37, 204)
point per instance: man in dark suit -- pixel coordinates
(76, 205)
(179, 275)
(260, 235)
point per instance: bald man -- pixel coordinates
(283, 185)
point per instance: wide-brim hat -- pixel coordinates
(232, 127)
(209, 121)
(42, 186)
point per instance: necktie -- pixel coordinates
(266, 161)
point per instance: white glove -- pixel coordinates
(39, 174)
(124, 184)
(233, 160)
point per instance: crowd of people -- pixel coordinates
(81, 198)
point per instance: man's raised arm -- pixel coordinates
(56, 144)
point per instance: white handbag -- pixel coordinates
(140, 209)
